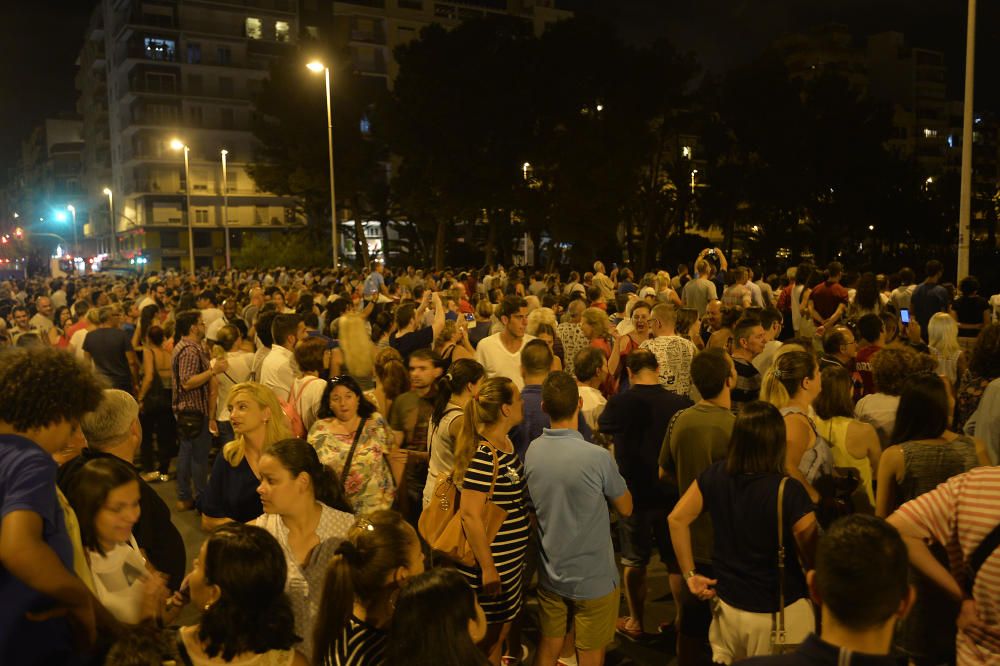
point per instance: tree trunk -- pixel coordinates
(440, 239)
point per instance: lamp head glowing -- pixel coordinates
(316, 67)
(107, 191)
(224, 152)
(60, 216)
(176, 144)
(70, 208)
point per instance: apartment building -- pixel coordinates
(155, 71)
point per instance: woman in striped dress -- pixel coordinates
(482, 447)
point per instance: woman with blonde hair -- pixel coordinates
(942, 333)
(391, 379)
(356, 354)
(853, 443)
(483, 448)
(664, 292)
(602, 335)
(257, 420)
(452, 343)
(791, 385)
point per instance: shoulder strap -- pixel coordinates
(350, 454)
(980, 555)
(496, 468)
(780, 628)
(293, 398)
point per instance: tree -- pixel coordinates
(292, 156)
(460, 122)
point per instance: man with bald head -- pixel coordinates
(113, 431)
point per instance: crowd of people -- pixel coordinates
(386, 466)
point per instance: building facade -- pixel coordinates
(155, 71)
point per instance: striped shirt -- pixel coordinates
(510, 544)
(959, 514)
(360, 645)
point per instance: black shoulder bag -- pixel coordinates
(979, 556)
(350, 454)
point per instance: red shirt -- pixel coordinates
(863, 366)
(827, 296)
(70, 330)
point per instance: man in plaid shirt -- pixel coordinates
(194, 394)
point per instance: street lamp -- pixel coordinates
(111, 218)
(76, 241)
(316, 67)
(177, 144)
(965, 205)
(225, 206)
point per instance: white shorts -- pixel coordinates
(736, 634)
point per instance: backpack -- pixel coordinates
(291, 409)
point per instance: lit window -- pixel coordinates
(159, 49)
(929, 133)
(686, 152)
(254, 28)
(281, 31)
(312, 31)
(365, 125)
(951, 140)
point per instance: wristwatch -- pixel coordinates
(690, 574)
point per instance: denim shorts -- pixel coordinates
(640, 532)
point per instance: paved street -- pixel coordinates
(655, 652)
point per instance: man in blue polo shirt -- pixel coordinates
(570, 483)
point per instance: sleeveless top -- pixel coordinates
(835, 432)
(442, 459)
(927, 465)
(817, 461)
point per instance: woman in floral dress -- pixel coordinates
(345, 414)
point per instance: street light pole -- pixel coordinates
(225, 207)
(316, 67)
(177, 144)
(76, 240)
(965, 206)
(111, 218)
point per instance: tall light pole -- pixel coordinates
(111, 218)
(316, 67)
(225, 207)
(965, 206)
(76, 240)
(177, 144)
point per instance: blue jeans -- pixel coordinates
(192, 464)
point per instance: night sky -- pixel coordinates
(43, 38)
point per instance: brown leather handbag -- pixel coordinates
(441, 522)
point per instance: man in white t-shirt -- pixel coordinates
(208, 304)
(673, 353)
(500, 353)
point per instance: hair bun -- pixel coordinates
(349, 552)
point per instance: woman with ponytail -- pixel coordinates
(452, 392)
(791, 385)
(485, 450)
(381, 552)
(306, 511)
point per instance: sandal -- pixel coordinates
(621, 626)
